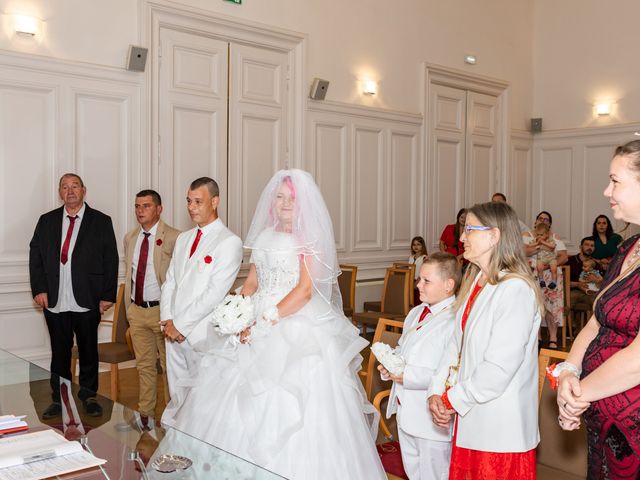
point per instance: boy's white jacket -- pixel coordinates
(422, 350)
(496, 396)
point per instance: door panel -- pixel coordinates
(193, 119)
(257, 127)
(481, 161)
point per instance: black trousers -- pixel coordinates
(62, 326)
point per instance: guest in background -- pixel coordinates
(487, 381)
(606, 242)
(425, 447)
(73, 268)
(553, 298)
(580, 297)
(590, 276)
(418, 256)
(148, 249)
(450, 238)
(502, 198)
(601, 376)
(546, 258)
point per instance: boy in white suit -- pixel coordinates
(205, 262)
(428, 328)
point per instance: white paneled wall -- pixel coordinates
(369, 167)
(570, 171)
(58, 117)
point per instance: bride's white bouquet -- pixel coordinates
(389, 359)
(233, 315)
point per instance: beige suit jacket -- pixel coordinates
(166, 236)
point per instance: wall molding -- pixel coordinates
(364, 112)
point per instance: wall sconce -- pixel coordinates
(603, 109)
(26, 25)
(369, 87)
(470, 59)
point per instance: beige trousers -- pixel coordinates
(148, 344)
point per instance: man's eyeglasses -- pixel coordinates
(471, 228)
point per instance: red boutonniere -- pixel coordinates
(208, 259)
(159, 242)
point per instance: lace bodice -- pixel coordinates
(277, 265)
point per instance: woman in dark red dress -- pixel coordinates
(608, 348)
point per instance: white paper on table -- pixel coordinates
(36, 455)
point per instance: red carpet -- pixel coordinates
(391, 459)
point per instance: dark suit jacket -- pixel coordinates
(94, 261)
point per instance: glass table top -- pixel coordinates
(116, 436)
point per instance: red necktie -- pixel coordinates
(426, 311)
(64, 256)
(64, 395)
(142, 269)
(195, 242)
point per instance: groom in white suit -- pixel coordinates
(428, 328)
(205, 262)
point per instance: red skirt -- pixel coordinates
(469, 464)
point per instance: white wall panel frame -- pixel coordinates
(73, 96)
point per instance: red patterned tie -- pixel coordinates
(64, 256)
(424, 313)
(142, 269)
(195, 243)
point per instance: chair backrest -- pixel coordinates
(566, 278)
(563, 453)
(396, 291)
(406, 266)
(347, 284)
(120, 322)
(389, 332)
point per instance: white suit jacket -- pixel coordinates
(422, 350)
(496, 396)
(194, 286)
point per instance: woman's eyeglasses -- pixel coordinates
(471, 228)
(544, 220)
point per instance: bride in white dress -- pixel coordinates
(290, 399)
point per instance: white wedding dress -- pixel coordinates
(290, 401)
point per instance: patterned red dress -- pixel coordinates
(467, 464)
(613, 423)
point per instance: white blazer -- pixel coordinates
(194, 286)
(422, 350)
(496, 395)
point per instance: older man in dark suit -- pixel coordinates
(73, 266)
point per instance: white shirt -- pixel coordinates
(418, 262)
(151, 290)
(66, 300)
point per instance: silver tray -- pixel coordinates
(168, 463)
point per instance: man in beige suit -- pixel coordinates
(148, 251)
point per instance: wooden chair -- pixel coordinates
(561, 454)
(395, 299)
(387, 331)
(347, 284)
(376, 305)
(568, 319)
(119, 349)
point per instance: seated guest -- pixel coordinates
(502, 198)
(450, 238)
(580, 297)
(425, 447)
(606, 242)
(553, 298)
(590, 276)
(417, 257)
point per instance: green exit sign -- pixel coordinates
(235, 1)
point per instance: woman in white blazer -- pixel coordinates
(487, 381)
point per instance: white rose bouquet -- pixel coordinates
(388, 357)
(233, 315)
